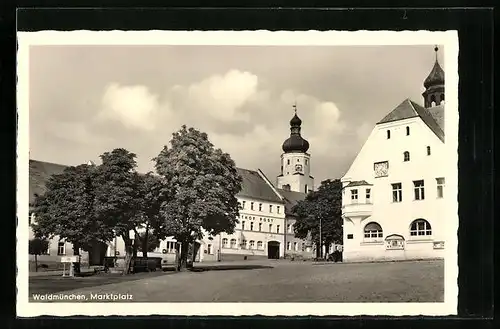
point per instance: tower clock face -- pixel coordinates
(381, 169)
(298, 168)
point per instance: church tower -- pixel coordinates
(434, 85)
(295, 161)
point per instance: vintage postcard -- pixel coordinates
(275, 173)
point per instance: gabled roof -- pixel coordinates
(254, 186)
(39, 174)
(409, 109)
(291, 199)
(358, 183)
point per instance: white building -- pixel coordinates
(394, 191)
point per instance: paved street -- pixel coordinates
(269, 281)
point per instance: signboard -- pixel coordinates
(69, 259)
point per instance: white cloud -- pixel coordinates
(133, 106)
(219, 101)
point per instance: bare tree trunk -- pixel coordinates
(184, 255)
(36, 263)
(145, 242)
(128, 253)
(177, 257)
(76, 252)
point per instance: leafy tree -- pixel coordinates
(150, 200)
(67, 209)
(117, 192)
(149, 243)
(37, 247)
(322, 206)
(203, 183)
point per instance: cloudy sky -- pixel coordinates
(85, 100)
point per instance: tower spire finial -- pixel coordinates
(436, 51)
(295, 107)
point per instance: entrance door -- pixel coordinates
(273, 250)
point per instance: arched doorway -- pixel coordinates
(273, 250)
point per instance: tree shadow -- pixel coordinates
(227, 267)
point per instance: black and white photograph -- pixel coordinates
(237, 173)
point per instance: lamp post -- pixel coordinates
(320, 240)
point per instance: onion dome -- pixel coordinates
(295, 143)
(436, 76)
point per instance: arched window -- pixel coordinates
(428, 150)
(252, 244)
(259, 245)
(407, 131)
(433, 99)
(420, 227)
(406, 155)
(441, 98)
(388, 134)
(224, 242)
(233, 243)
(243, 244)
(373, 232)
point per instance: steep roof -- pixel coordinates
(291, 199)
(39, 174)
(254, 186)
(358, 183)
(409, 109)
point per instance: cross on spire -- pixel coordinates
(295, 107)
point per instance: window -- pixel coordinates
(224, 243)
(270, 227)
(388, 134)
(259, 245)
(368, 195)
(243, 225)
(251, 205)
(428, 150)
(440, 187)
(295, 246)
(350, 236)
(61, 248)
(305, 189)
(407, 131)
(271, 208)
(289, 228)
(243, 244)
(420, 227)
(354, 196)
(251, 226)
(209, 249)
(406, 156)
(373, 232)
(243, 204)
(281, 169)
(260, 227)
(288, 245)
(397, 192)
(303, 247)
(419, 189)
(306, 161)
(277, 228)
(298, 160)
(252, 244)
(260, 206)
(233, 243)
(278, 209)
(288, 161)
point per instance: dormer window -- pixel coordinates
(407, 131)
(406, 156)
(388, 134)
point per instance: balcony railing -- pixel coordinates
(363, 209)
